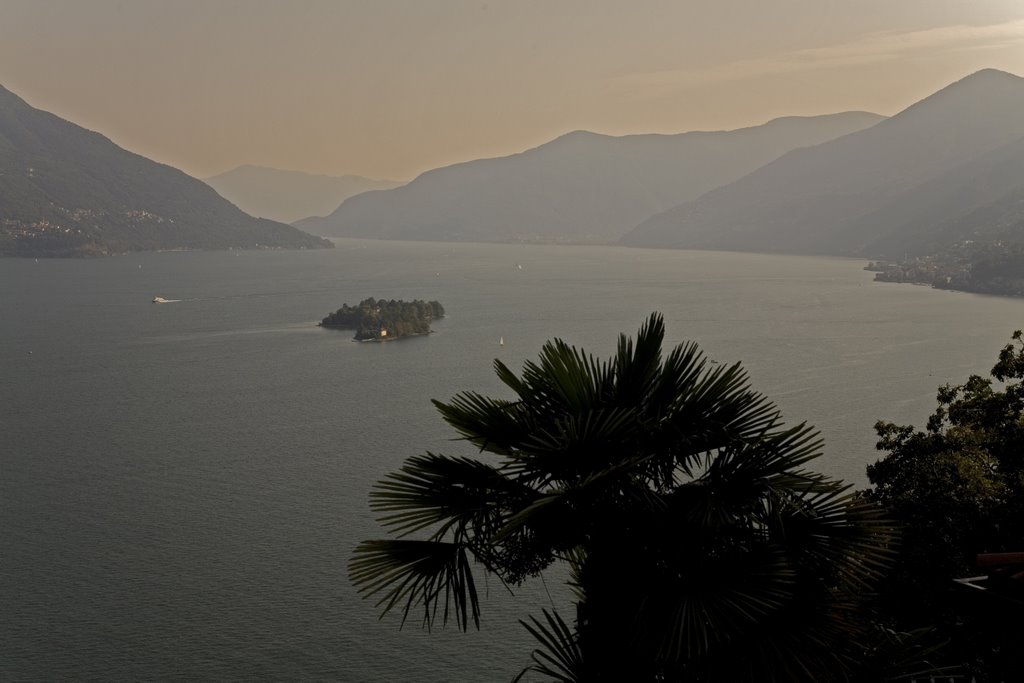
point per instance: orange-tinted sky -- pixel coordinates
(390, 88)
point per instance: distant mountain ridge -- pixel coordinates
(288, 196)
(68, 191)
(900, 186)
(579, 188)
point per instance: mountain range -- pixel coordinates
(915, 183)
(943, 177)
(287, 196)
(68, 191)
(579, 188)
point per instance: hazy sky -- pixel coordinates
(390, 88)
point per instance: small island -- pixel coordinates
(380, 320)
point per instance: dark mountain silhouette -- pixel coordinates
(67, 191)
(899, 186)
(287, 196)
(579, 188)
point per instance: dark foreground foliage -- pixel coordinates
(957, 488)
(699, 546)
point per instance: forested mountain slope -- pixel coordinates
(67, 191)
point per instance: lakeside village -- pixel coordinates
(969, 266)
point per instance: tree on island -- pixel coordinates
(699, 547)
(957, 489)
(381, 319)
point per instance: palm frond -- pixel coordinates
(509, 378)
(637, 365)
(720, 403)
(442, 492)
(559, 657)
(407, 574)
(492, 425)
(840, 536)
(772, 461)
(574, 447)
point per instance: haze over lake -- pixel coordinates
(183, 484)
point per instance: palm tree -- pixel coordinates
(699, 547)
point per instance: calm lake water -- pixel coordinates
(181, 485)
